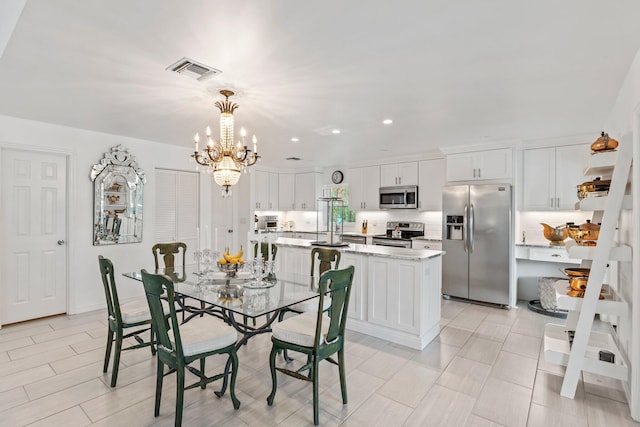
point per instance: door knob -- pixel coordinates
(60, 242)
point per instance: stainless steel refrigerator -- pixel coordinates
(476, 239)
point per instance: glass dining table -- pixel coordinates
(239, 296)
(250, 306)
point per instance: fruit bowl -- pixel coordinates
(231, 268)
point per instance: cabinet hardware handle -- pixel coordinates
(555, 255)
(474, 172)
(551, 202)
(479, 170)
(60, 242)
(557, 202)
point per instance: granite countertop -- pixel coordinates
(382, 251)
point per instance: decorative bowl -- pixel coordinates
(231, 269)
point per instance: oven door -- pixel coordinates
(395, 243)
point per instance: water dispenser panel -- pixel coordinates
(454, 227)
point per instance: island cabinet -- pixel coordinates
(357, 308)
(550, 176)
(395, 294)
(364, 185)
(294, 260)
(399, 174)
(480, 165)
(393, 289)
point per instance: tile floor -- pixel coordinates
(483, 370)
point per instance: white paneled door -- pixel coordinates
(177, 208)
(34, 232)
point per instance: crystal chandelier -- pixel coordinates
(226, 158)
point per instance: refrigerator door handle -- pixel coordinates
(464, 227)
(471, 230)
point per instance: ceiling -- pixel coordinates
(448, 73)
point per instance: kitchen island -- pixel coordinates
(396, 292)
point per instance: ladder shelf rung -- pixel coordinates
(611, 304)
(557, 350)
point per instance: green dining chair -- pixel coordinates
(328, 259)
(126, 316)
(179, 345)
(317, 334)
(169, 252)
(264, 249)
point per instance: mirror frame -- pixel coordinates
(117, 198)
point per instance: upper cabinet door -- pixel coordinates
(399, 174)
(432, 179)
(550, 176)
(262, 190)
(461, 167)
(286, 191)
(539, 179)
(480, 165)
(494, 164)
(364, 186)
(308, 188)
(273, 191)
(571, 162)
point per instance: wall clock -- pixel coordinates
(337, 177)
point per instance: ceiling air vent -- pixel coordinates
(294, 158)
(191, 68)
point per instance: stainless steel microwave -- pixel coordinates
(405, 197)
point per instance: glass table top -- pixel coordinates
(241, 294)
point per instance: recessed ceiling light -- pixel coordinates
(294, 139)
(387, 121)
(335, 131)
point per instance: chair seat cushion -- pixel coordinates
(204, 334)
(135, 311)
(311, 304)
(300, 330)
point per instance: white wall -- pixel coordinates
(84, 149)
(625, 118)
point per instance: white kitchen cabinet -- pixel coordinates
(294, 260)
(308, 187)
(432, 179)
(480, 165)
(550, 177)
(357, 305)
(393, 291)
(266, 194)
(286, 191)
(399, 174)
(364, 185)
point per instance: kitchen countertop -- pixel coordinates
(382, 251)
(428, 239)
(538, 245)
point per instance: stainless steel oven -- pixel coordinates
(399, 234)
(390, 241)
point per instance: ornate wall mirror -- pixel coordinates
(117, 195)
